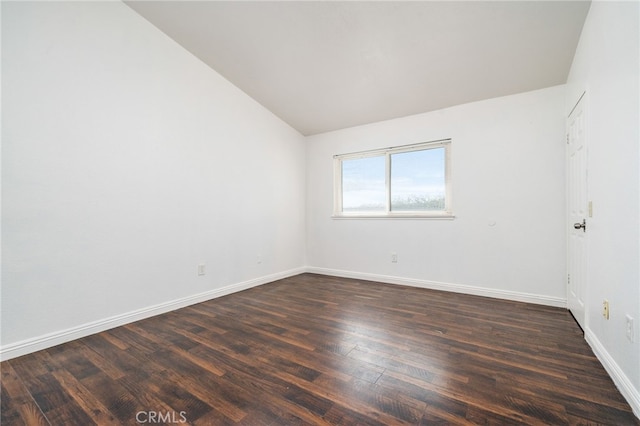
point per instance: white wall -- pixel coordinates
(508, 161)
(126, 163)
(606, 66)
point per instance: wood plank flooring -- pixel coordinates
(320, 350)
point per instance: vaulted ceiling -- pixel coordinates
(326, 65)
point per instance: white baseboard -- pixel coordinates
(27, 346)
(559, 302)
(630, 393)
(626, 388)
(24, 347)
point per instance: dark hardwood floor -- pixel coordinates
(313, 350)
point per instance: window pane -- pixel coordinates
(418, 180)
(363, 184)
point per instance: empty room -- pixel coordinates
(320, 212)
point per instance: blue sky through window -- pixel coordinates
(418, 180)
(363, 184)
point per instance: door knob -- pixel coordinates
(582, 225)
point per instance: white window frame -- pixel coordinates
(447, 213)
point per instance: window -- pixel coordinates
(405, 181)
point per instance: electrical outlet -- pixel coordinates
(202, 269)
(629, 328)
(259, 259)
(605, 309)
(394, 257)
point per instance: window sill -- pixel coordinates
(447, 216)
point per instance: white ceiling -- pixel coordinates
(327, 65)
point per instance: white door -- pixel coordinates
(577, 211)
